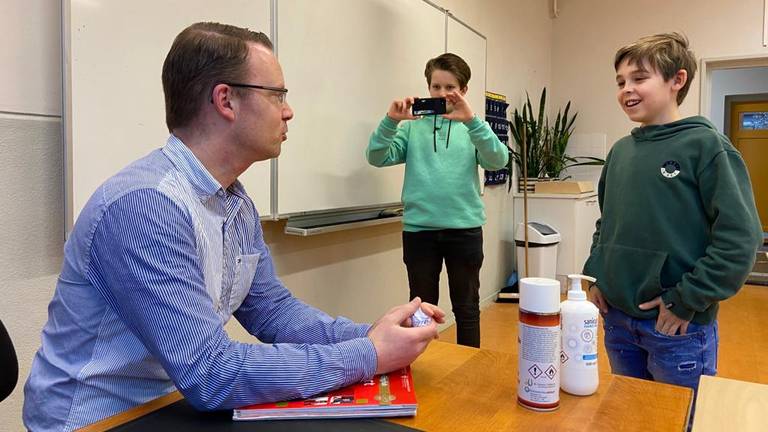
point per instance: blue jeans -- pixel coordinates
(637, 350)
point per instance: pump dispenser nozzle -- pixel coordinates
(576, 293)
(579, 320)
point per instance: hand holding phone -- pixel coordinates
(401, 110)
(460, 109)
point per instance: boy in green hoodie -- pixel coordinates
(679, 228)
(443, 212)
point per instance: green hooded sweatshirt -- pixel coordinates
(678, 221)
(441, 189)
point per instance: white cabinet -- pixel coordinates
(574, 216)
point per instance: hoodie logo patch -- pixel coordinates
(670, 169)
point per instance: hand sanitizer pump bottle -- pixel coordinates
(578, 359)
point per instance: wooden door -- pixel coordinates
(749, 134)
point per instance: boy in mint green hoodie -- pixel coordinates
(679, 228)
(443, 212)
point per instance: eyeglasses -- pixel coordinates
(282, 93)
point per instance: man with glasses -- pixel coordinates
(170, 248)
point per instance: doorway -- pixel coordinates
(749, 134)
(728, 80)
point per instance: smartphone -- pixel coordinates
(428, 106)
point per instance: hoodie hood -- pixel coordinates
(669, 130)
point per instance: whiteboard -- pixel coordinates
(344, 62)
(114, 106)
(31, 78)
(471, 46)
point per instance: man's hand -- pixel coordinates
(398, 346)
(431, 311)
(401, 110)
(668, 323)
(595, 296)
(461, 111)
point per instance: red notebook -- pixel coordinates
(389, 395)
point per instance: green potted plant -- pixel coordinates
(545, 146)
(528, 129)
(555, 144)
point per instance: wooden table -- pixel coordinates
(727, 404)
(469, 389)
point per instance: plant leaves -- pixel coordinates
(544, 145)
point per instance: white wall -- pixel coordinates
(358, 273)
(729, 82)
(31, 184)
(588, 33)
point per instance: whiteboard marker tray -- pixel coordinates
(313, 224)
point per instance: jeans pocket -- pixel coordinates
(687, 335)
(678, 359)
(694, 330)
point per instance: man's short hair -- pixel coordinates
(203, 55)
(451, 63)
(667, 53)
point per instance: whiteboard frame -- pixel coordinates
(66, 114)
(273, 163)
(765, 23)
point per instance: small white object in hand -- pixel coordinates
(420, 319)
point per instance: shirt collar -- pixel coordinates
(190, 167)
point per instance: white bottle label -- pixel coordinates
(579, 342)
(539, 376)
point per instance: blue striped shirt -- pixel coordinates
(159, 260)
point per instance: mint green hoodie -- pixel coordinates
(678, 220)
(441, 187)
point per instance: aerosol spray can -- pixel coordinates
(539, 344)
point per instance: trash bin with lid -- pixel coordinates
(542, 250)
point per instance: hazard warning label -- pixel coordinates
(535, 371)
(551, 372)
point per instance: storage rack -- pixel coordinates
(496, 115)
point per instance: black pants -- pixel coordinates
(462, 250)
(9, 365)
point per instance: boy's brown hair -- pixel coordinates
(451, 63)
(203, 55)
(667, 53)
